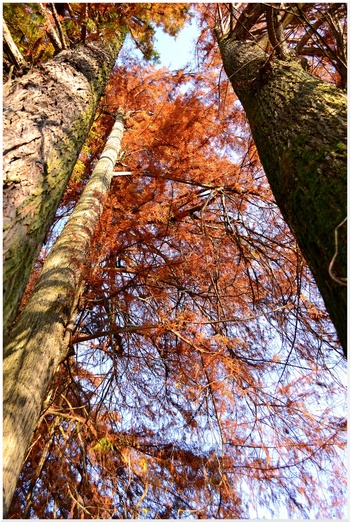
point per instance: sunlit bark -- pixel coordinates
(39, 340)
(11, 47)
(47, 115)
(50, 29)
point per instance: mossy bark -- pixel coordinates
(47, 116)
(299, 125)
(39, 339)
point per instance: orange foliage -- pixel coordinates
(88, 22)
(202, 374)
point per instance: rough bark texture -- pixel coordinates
(47, 116)
(299, 125)
(39, 340)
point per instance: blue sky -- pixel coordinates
(175, 53)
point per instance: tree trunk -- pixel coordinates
(47, 116)
(299, 125)
(39, 340)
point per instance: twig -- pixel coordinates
(341, 280)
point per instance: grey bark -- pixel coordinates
(47, 116)
(40, 338)
(299, 125)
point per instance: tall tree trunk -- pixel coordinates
(39, 340)
(299, 125)
(47, 116)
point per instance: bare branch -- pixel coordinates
(59, 28)
(11, 48)
(275, 32)
(50, 30)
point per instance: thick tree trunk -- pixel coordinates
(39, 340)
(299, 125)
(47, 116)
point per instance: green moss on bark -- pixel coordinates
(62, 118)
(299, 125)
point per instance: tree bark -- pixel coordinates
(39, 340)
(47, 116)
(299, 125)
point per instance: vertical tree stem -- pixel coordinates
(37, 344)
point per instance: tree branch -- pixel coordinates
(275, 32)
(12, 49)
(50, 30)
(59, 27)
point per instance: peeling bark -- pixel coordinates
(299, 125)
(40, 338)
(47, 116)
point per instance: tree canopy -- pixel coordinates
(204, 378)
